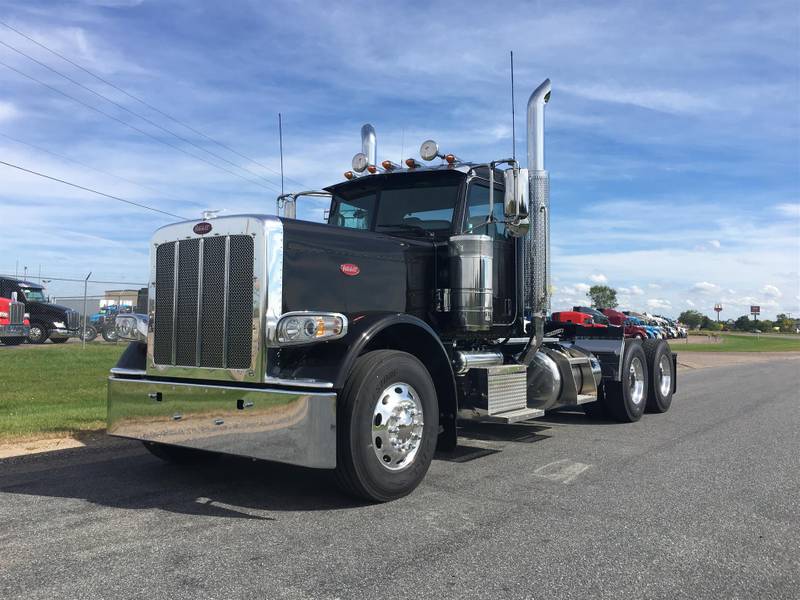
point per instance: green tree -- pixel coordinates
(744, 323)
(785, 323)
(691, 318)
(602, 296)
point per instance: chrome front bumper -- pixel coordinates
(59, 332)
(14, 331)
(295, 427)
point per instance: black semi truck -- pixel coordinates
(47, 320)
(361, 343)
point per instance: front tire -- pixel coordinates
(387, 425)
(109, 333)
(661, 376)
(625, 400)
(38, 334)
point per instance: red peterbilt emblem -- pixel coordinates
(349, 269)
(202, 228)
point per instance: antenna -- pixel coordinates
(280, 141)
(513, 114)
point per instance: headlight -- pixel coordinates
(307, 327)
(27, 316)
(131, 327)
(3, 314)
(59, 325)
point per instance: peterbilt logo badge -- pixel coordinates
(349, 269)
(202, 228)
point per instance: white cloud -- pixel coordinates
(8, 111)
(689, 302)
(771, 291)
(714, 243)
(653, 286)
(790, 209)
(636, 290)
(659, 303)
(663, 100)
(704, 287)
(599, 278)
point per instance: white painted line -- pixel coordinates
(561, 471)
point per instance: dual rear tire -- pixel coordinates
(646, 383)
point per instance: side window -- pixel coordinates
(478, 211)
(354, 213)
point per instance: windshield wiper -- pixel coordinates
(407, 227)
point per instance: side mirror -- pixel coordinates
(515, 203)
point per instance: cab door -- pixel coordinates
(504, 262)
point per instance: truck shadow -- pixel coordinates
(124, 475)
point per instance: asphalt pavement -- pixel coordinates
(701, 502)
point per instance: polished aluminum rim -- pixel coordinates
(636, 381)
(35, 332)
(665, 375)
(397, 424)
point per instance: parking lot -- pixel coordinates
(698, 503)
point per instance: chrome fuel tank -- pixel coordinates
(470, 260)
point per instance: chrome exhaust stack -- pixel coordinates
(536, 242)
(369, 144)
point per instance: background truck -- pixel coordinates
(360, 344)
(14, 324)
(47, 320)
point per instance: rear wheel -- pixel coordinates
(625, 400)
(387, 424)
(90, 333)
(38, 334)
(661, 375)
(178, 455)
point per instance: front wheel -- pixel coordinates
(387, 424)
(38, 334)
(109, 333)
(89, 334)
(625, 399)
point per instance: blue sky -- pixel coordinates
(672, 134)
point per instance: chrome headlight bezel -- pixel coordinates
(309, 326)
(132, 327)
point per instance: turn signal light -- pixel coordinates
(450, 158)
(349, 174)
(372, 169)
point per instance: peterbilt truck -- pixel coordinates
(360, 344)
(14, 323)
(47, 320)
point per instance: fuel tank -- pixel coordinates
(561, 376)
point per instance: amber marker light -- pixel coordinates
(372, 169)
(450, 158)
(411, 163)
(349, 175)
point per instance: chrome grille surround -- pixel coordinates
(195, 290)
(73, 320)
(16, 313)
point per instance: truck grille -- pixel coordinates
(16, 313)
(204, 303)
(73, 320)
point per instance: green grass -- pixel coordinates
(50, 390)
(741, 343)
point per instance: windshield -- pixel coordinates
(402, 205)
(33, 294)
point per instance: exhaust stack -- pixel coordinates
(536, 242)
(369, 144)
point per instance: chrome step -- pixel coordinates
(586, 398)
(504, 418)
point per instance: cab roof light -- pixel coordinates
(450, 159)
(412, 164)
(389, 165)
(372, 169)
(349, 175)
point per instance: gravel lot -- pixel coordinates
(699, 503)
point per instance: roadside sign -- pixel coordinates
(755, 310)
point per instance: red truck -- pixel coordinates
(574, 316)
(617, 318)
(14, 324)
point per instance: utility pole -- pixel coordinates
(85, 286)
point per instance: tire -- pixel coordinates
(660, 375)
(179, 456)
(59, 340)
(12, 341)
(109, 334)
(91, 333)
(625, 400)
(383, 386)
(38, 334)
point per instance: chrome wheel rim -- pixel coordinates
(665, 375)
(636, 381)
(397, 424)
(35, 332)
